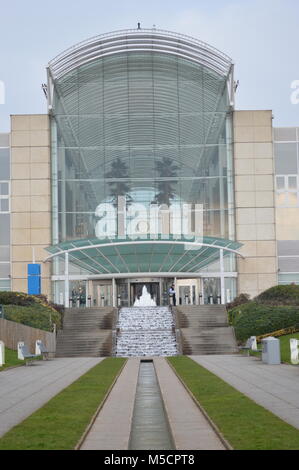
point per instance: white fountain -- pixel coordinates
(145, 300)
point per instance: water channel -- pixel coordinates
(150, 429)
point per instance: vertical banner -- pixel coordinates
(34, 278)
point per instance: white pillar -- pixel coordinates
(294, 343)
(38, 347)
(176, 291)
(66, 280)
(2, 353)
(20, 354)
(114, 303)
(222, 282)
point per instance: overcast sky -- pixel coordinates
(261, 36)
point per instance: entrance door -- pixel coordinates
(212, 290)
(102, 295)
(77, 293)
(188, 292)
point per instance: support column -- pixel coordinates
(66, 281)
(114, 300)
(176, 290)
(222, 281)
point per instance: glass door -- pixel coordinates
(122, 294)
(212, 290)
(187, 290)
(77, 294)
(102, 295)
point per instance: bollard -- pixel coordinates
(294, 344)
(253, 343)
(38, 347)
(20, 354)
(2, 353)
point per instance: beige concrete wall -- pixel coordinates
(12, 332)
(30, 197)
(254, 200)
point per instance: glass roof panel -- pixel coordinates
(144, 256)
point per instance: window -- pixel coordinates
(4, 229)
(286, 158)
(4, 196)
(287, 191)
(4, 164)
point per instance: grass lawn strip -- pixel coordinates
(243, 423)
(60, 423)
(11, 359)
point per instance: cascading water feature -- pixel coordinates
(145, 331)
(145, 299)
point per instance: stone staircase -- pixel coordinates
(87, 332)
(204, 329)
(145, 331)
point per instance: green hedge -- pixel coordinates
(280, 295)
(253, 319)
(36, 316)
(31, 310)
(17, 298)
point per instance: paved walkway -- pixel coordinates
(190, 428)
(25, 389)
(112, 427)
(275, 387)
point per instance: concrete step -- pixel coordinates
(86, 332)
(204, 329)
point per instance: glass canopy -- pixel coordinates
(143, 256)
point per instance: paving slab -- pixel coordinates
(190, 429)
(112, 427)
(275, 387)
(23, 390)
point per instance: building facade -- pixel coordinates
(143, 173)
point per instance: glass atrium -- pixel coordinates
(142, 116)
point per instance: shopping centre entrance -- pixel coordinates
(125, 292)
(201, 272)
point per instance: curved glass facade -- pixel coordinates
(149, 126)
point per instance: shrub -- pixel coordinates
(279, 295)
(254, 319)
(35, 316)
(16, 298)
(31, 310)
(241, 299)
